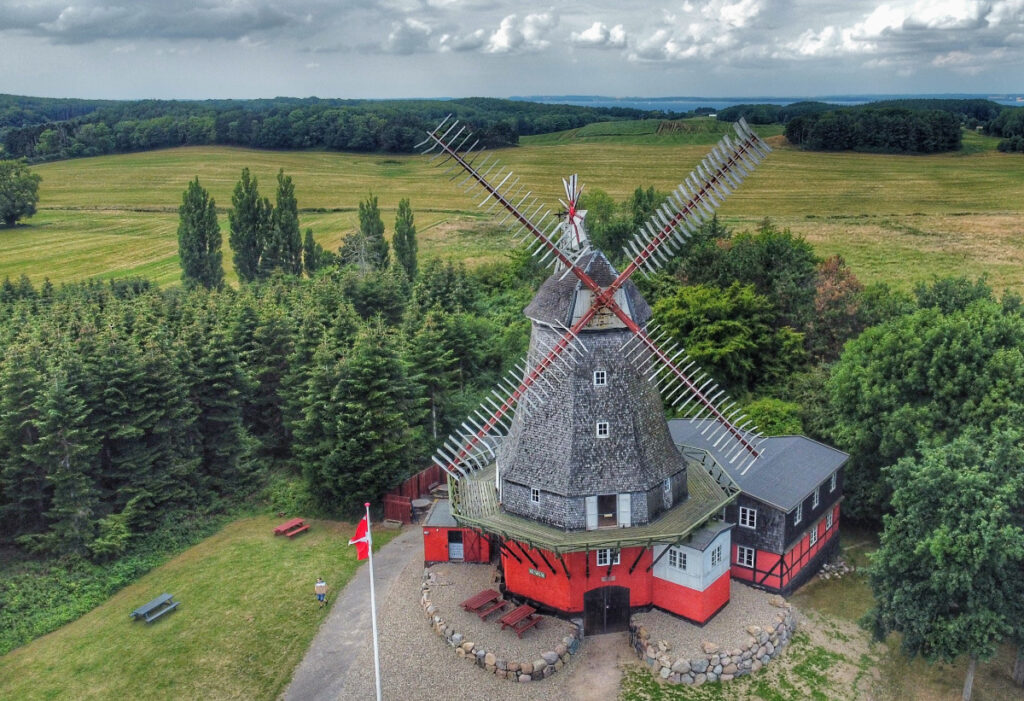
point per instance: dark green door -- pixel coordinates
(605, 610)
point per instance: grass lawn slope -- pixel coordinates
(246, 618)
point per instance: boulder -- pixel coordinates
(709, 647)
(526, 668)
(539, 665)
(681, 666)
(699, 665)
(525, 678)
(550, 656)
(665, 672)
(490, 659)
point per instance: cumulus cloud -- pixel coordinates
(528, 34)
(408, 36)
(600, 36)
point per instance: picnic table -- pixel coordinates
(291, 528)
(155, 608)
(520, 618)
(478, 601)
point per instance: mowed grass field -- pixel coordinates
(899, 219)
(246, 618)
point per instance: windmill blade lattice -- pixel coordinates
(689, 205)
(682, 383)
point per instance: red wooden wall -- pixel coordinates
(475, 548)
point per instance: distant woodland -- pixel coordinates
(42, 129)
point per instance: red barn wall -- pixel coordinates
(689, 603)
(563, 594)
(475, 548)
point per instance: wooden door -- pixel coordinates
(605, 610)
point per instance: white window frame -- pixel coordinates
(677, 558)
(534, 495)
(816, 499)
(601, 430)
(832, 483)
(798, 515)
(600, 378)
(603, 555)
(748, 517)
(828, 521)
(745, 556)
(814, 535)
(716, 555)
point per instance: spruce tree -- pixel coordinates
(66, 446)
(366, 436)
(284, 246)
(23, 484)
(250, 226)
(434, 371)
(404, 239)
(199, 241)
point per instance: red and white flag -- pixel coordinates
(361, 540)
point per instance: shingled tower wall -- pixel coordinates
(554, 447)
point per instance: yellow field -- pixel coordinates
(899, 219)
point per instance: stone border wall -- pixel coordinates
(716, 664)
(546, 663)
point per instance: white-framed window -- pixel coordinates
(814, 535)
(745, 556)
(828, 520)
(600, 378)
(748, 517)
(607, 556)
(602, 429)
(798, 515)
(535, 495)
(832, 482)
(716, 555)
(676, 558)
(815, 500)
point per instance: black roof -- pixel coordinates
(555, 301)
(789, 469)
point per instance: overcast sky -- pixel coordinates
(456, 48)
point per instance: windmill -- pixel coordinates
(570, 461)
(564, 244)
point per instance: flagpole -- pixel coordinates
(373, 604)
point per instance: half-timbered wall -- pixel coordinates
(811, 515)
(784, 572)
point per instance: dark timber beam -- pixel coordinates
(637, 560)
(564, 568)
(542, 557)
(526, 554)
(506, 548)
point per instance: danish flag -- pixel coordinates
(362, 540)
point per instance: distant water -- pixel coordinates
(689, 104)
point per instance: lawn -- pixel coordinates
(247, 617)
(899, 219)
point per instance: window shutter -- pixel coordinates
(591, 504)
(625, 516)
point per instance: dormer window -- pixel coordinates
(798, 515)
(832, 483)
(815, 500)
(602, 429)
(600, 378)
(535, 495)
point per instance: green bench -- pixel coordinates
(154, 609)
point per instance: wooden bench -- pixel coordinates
(520, 619)
(287, 526)
(478, 601)
(154, 609)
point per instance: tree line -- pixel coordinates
(884, 130)
(285, 123)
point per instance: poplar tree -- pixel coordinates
(283, 250)
(250, 226)
(404, 239)
(199, 241)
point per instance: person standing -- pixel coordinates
(320, 589)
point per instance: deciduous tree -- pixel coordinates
(250, 219)
(199, 239)
(948, 572)
(19, 191)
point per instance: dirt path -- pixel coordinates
(596, 674)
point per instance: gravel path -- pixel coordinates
(418, 665)
(747, 606)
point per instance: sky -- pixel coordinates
(128, 49)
